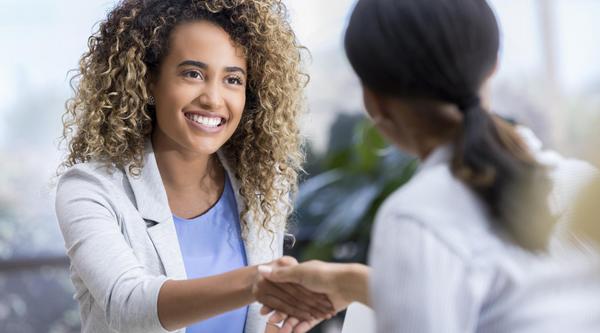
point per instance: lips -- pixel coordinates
(205, 120)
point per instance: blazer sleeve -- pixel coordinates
(100, 255)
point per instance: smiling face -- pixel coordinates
(200, 90)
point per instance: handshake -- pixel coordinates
(303, 295)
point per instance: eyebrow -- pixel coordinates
(200, 64)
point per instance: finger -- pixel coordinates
(265, 270)
(265, 310)
(317, 305)
(279, 305)
(277, 317)
(286, 261)
(304, 326)
(283, 274)
(289, 324)
(317, 299)
(304, 304)
(285, 297)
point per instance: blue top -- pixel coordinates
(211, 244)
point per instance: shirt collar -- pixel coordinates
(440, 155)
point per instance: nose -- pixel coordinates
(210, 97)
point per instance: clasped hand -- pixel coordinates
(300, 295)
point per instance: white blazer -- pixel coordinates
(122, 244)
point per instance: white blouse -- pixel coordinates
(441, 265)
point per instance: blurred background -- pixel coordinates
(548, 79)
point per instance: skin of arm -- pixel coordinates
(183, 302)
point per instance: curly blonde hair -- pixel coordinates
(109, 118)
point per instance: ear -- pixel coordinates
(485, 90)
(375, 105)
(495, 69)
(151, 83)
(150, 87)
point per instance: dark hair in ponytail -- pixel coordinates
(443, 50)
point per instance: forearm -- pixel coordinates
(183, 302)
(355, 283)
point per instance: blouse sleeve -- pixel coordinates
(419, 284)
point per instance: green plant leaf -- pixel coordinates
(368, 143)
(344, 217)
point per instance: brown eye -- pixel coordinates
(234, 80)
(193, 75)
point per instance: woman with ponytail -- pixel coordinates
(463, 246)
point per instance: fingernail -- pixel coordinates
(263, 269)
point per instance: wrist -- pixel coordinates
(355, 283)
(249, 281)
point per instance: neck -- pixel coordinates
(425, 146)
(428, 125)
(181, 169)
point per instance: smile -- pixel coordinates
(212, 122)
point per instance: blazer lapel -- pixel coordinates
(152, 203)
(257, 241)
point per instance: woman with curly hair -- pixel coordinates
(183, 154)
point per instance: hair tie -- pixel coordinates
(469, 103)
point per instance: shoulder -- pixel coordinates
(568, 175)
(92, 180)
(92, 169)
(432, 195)
(92, 174)
(437, 204)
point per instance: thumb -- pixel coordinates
(281, 274)
(286, 261)
(265, 270)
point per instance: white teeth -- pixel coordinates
(206, 121)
